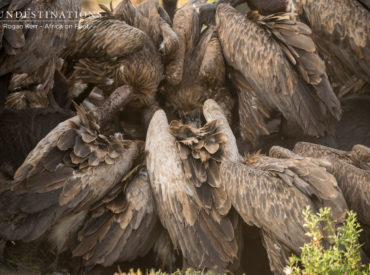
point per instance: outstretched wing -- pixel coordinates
(122, 226)
(204, 239)
(265, 69)
(273, 194)
(265, 201)
(69, 169)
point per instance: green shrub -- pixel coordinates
(341, 257)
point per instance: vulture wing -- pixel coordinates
(272, 196)
(212, 70)
(265, 69)
(205, 237)
(211, 112)
(105, 37)
(158, 26)
(120, 227)
(341, 31)
(187, 27)
(296, 41)
(321, 151)
(69, 170)
(354, 182)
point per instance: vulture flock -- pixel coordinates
(184, 138)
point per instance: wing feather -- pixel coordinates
(180, 209)
(130, 228)
(266, 70)
(353, 181)
(104, 39)
(341, 31)
(46, 186)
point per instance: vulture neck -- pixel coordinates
(113, 104)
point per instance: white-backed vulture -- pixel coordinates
(190, 203)
(34, 50)
(341, 31)
(271, 194)
(352, 171)
(68, 171)
(275, 67)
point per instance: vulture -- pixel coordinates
(123, 225)
(352, 171)
(68, 171)
(182, 163)
(120, 48)
(20, 131)
(28, 46)
(341, 31)
(274, 66)
(198, 70)
(271, 193)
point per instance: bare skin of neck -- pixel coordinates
(113, 104)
